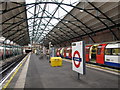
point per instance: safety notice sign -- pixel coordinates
(78, 58)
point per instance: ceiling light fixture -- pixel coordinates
(81, 10)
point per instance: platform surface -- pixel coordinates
(41, 75)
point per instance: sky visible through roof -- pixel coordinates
(43, 23)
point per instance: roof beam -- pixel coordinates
(80, 22)
(97, 31)
(15, 15)
(52, 16)
(43, 11)
(34, 21)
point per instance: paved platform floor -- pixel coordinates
(41, 75)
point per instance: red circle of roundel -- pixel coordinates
(76, 65)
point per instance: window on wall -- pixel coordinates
(99, 49)
(112, 51)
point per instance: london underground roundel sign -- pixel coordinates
(76, 58)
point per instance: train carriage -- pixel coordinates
(103, 54)
(7, 51)
(112, 55)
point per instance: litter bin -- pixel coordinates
(56, 61)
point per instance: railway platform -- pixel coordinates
(35, 72)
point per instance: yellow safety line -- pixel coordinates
(98, 67)
(67, 60)
(8, 82)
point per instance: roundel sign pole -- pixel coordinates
(78, 58)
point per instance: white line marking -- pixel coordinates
(21, 80)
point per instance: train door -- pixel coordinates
(64, 54)
(87, 49)
(61, 52)
(93, 52)
(58, 52)
(67, 52)
(6, 52)
(100, 54)
(1, 53)
(70, 54)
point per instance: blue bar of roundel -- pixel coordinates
(76, 59)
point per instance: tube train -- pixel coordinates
(107, 54)
(7, 51)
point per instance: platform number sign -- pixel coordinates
(78, 58)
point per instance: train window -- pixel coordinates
(112, 51)
(74, 44)
(116, 51)
(99, 49)
(108, 51)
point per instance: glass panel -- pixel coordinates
(112, 51)
(99, 49)
(108, 51)
(87, 50)
(116, 51)
(41, 22)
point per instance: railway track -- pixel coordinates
(7, 68)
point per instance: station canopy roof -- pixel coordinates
(14, 22)
(58, 21)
